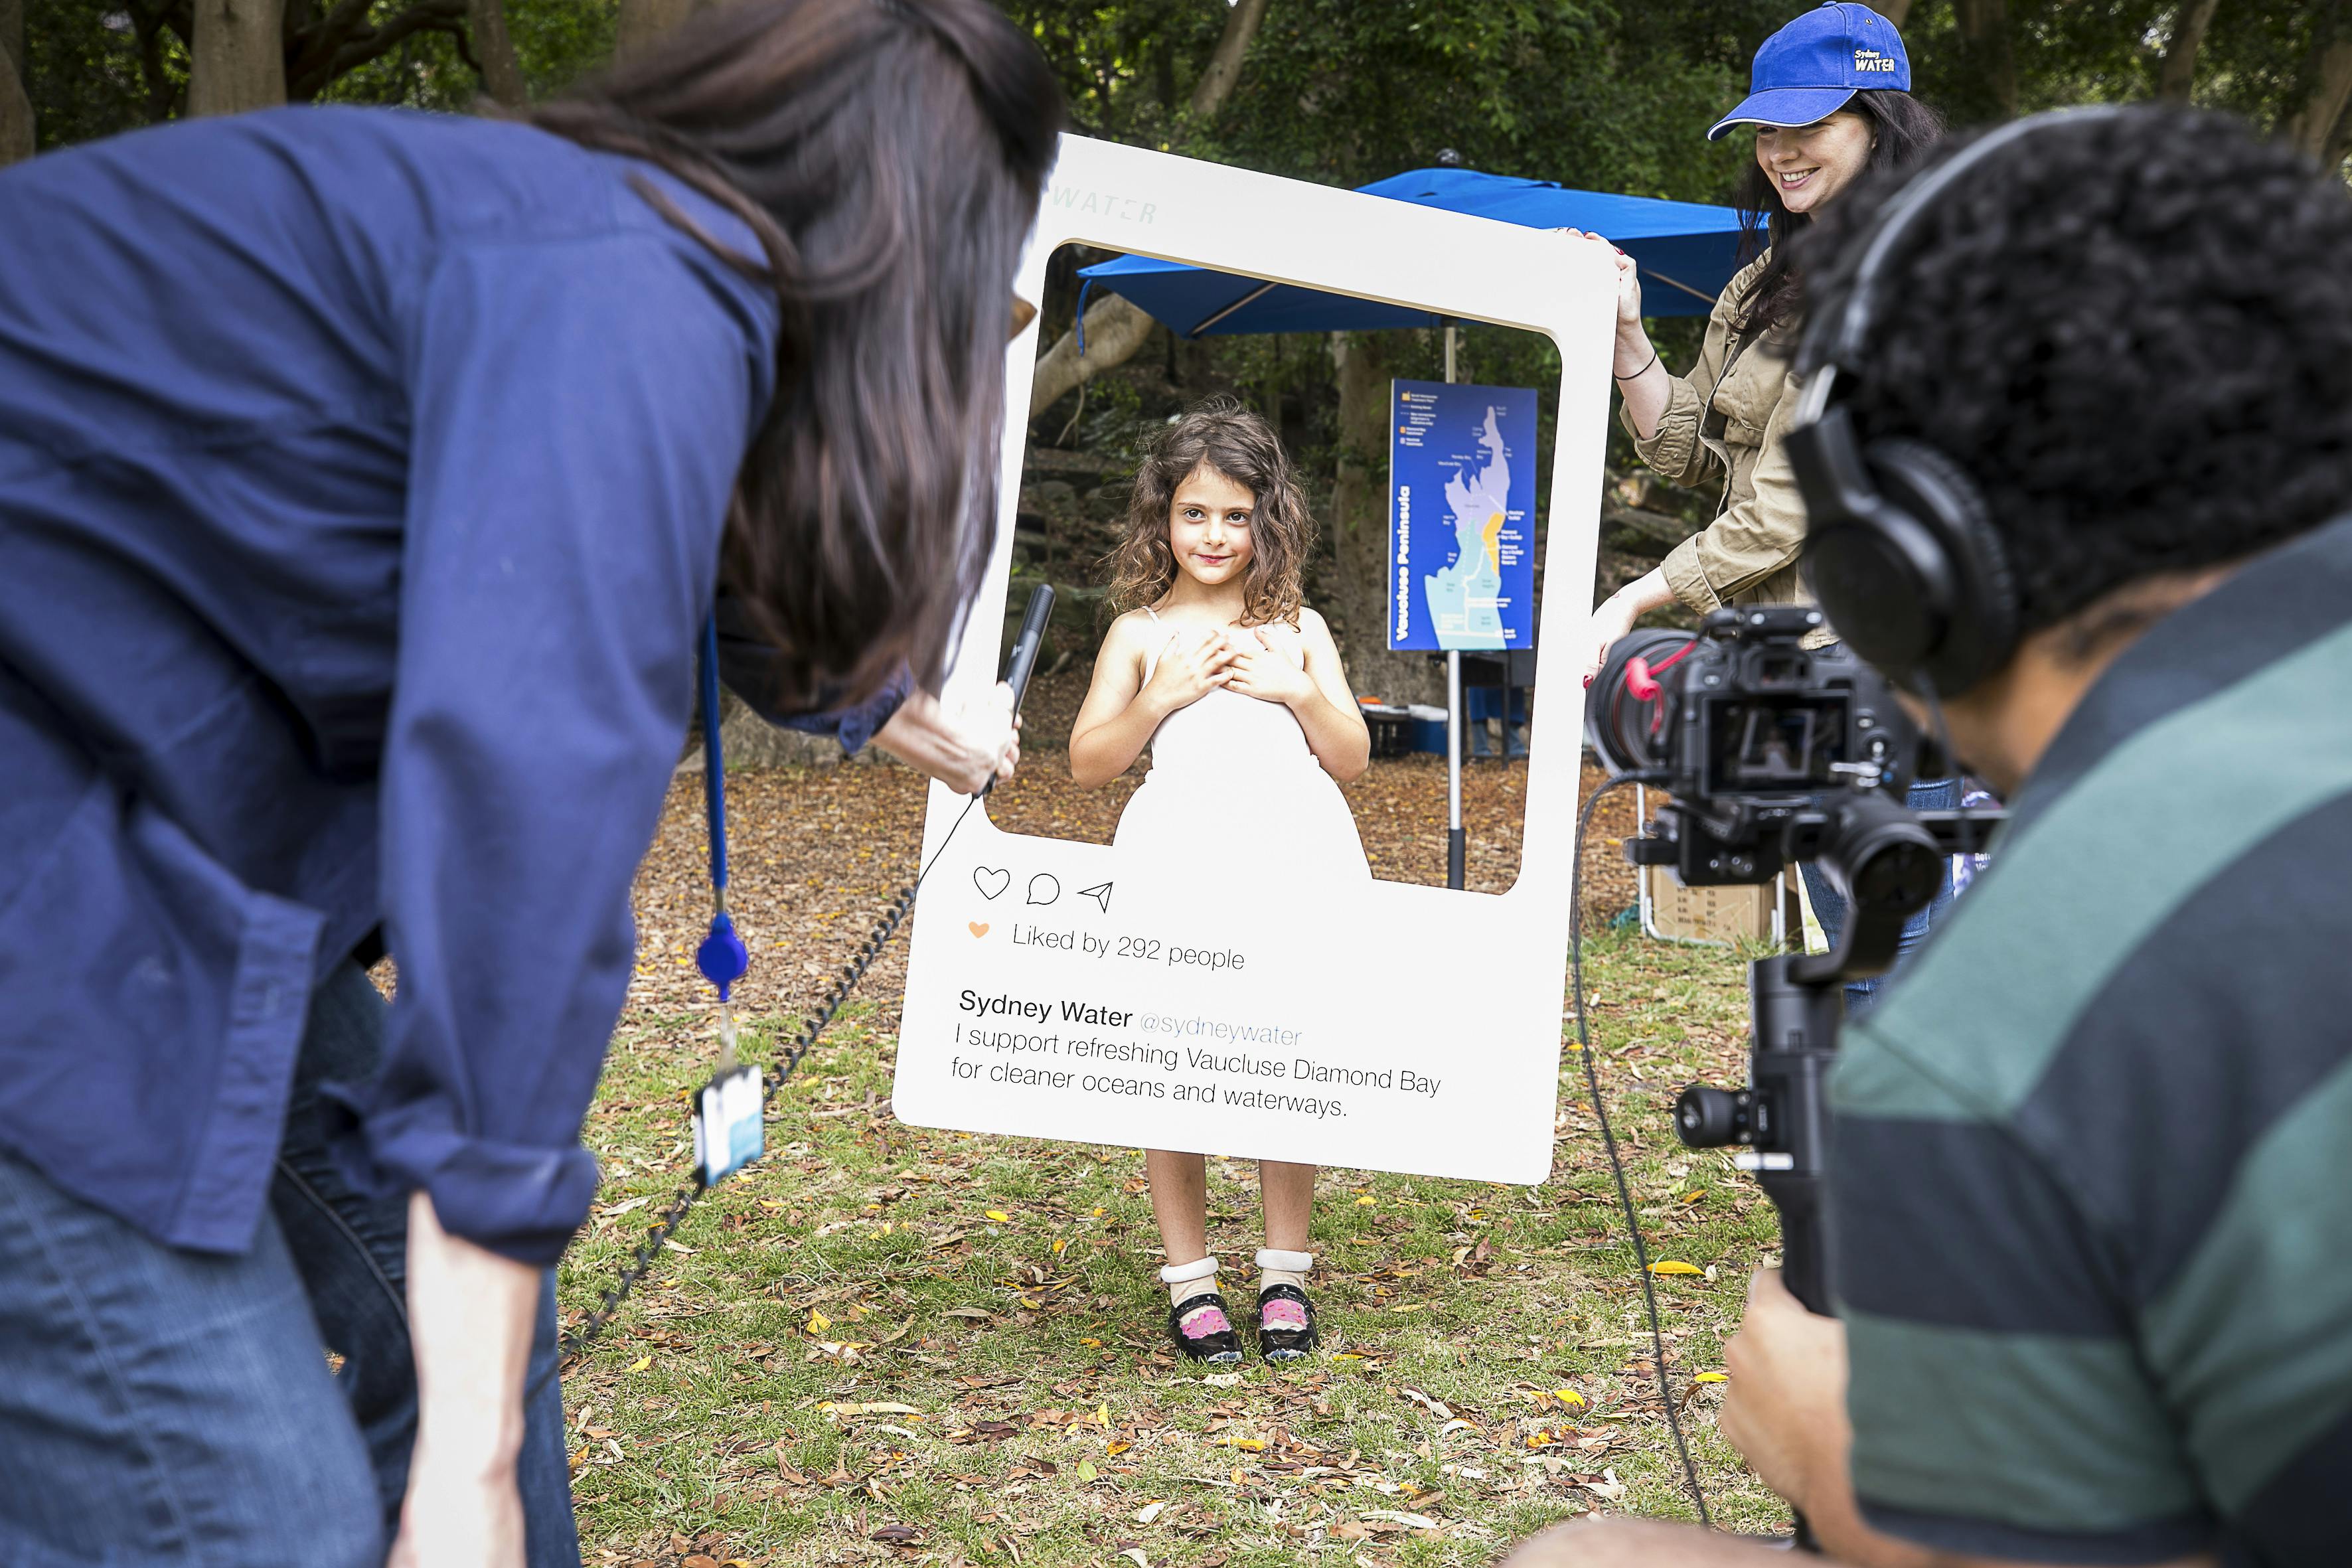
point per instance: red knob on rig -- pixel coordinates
(1639, 684)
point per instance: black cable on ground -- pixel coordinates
(1608, 1142)
(681, 1204)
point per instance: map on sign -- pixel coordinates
(1461, 575)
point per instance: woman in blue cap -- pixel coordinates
(1829, 99)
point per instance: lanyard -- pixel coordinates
(728, 1123)
(721, 957)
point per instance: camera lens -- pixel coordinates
(1626, 731)
(1708, 1117)
(1886, 860)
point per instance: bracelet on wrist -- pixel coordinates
(1636, 376)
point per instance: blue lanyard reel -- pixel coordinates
(729, 1131)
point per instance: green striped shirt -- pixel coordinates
(2092, 1233)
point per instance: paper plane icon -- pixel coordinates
(1100, 893)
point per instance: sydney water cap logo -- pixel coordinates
(1868, 61)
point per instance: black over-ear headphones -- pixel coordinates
(1899, 548)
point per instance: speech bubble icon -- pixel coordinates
(1044, 889)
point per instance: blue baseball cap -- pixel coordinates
(1808, 70)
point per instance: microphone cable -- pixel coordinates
(1608, 1142)
(814, 1024)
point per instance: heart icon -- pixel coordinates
(990, 880)
(977, 927)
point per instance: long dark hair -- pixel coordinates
(889, 156)
(1903, 131)
(1223, 437)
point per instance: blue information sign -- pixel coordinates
(1462, 498)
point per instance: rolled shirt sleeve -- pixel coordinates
(1752, 539)
(1674, 451)
(579, 414)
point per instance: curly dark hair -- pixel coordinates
(2134, 332)
(1220, 434)
(1903, 131)
(888, 155)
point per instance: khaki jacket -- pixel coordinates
(1727, 417)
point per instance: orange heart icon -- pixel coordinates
(979, 928)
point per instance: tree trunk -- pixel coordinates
(1123, 327)
(15, 103)
(1357, 524)
(1224, 67)
(1896, 11)
(502, 72)
(2318, 128)
(15, 113)
(2180, 70)
(236, 59)
(1115, 329)
(1984, 36)
(643, 21)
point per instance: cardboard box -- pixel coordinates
(1722, 915)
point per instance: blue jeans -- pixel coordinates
(160, 1407)
(1829, 904)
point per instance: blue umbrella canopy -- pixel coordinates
(1687, 251)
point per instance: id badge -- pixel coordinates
(728, 1129)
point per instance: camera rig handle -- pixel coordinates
(1795, 1003)
(1889, 861)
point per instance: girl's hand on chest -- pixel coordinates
(1265, 666)
(1193, 663)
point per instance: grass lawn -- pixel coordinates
(883, 1343)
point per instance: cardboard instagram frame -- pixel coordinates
(1398, 1028)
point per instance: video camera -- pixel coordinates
(1774, 752)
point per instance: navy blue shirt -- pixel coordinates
(361, 478)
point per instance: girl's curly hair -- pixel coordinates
(1221, 436)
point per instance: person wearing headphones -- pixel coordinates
(2078, 462)
(1830, 101)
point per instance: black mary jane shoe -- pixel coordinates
(1281, 1344)
(1223, 1348)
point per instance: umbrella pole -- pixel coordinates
(1454, 855)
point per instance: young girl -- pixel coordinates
(1236, 685)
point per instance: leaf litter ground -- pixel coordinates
(888, 1343)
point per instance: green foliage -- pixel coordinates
(93, 67)
(426, 71)
(1584, 92)
(97, 68)
(559, 42)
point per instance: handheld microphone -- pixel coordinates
(1024, 648)
(1023, 661)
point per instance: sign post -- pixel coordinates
(1461, 506)
(1456, 860)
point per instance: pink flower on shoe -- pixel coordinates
(1204, 1322)
(1281, 1313)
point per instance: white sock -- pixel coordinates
(1186, 1280)
(1278, 1268)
